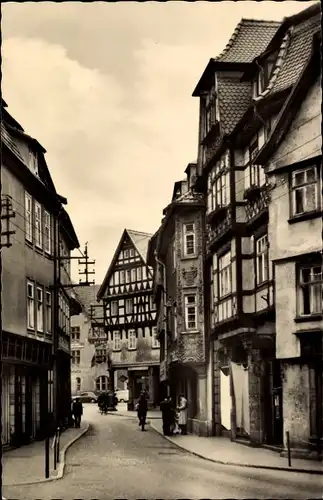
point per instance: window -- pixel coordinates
(30, 305)
(190, 312)
(133, 275)
(75, 333)
(225, 285)
(129, 306)
(121, 277)
(32, 162)
(102, 383)
(28, 217)
(114, 308)
(48, 312)
(100, 355)
(78, 384)
(262, 260)
(139, 274)
(40, 310)
(311, 288)
(154, 340)
(189, 239)
(175, 322)
(132, 252)
(132, 339)
(304, 191)
(126, 254)
(47, 232)
(38, 225)
(76, 358)
(116, 341)
(210, 111)
(218, 193)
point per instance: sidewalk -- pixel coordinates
(26, 465)
(223, 451)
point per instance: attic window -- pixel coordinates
(33, 162)
(264, 74)
(210, 116)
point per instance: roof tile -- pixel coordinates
(297, 53)
(241, 47)
(234, 100)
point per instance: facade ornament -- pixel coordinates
(189, 275)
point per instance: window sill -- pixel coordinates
(155, 347)
(29, 244)
(189, 331)
(132, 348)
(188, 257)
(31, 331)
(306, 216)
(308, 317)
(116, 350)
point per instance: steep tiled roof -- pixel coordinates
(248, 40)
(297, 53)
(86, 295)
(140, 241)
(234, 100)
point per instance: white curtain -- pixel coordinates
(225, 400)
(241, 393)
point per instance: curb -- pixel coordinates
(61, 465)
(234, 464)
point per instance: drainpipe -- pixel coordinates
(164, 311)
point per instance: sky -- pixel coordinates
(107, 90)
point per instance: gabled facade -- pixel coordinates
(130, 317)
(35, 310)
(177, 254)
(292, 159)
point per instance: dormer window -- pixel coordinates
(261, 81)
(210, 116)
(33, 162)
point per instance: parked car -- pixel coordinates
(86, 397)
(122, 395)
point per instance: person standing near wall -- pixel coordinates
(183, 416)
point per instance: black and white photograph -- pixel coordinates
(161, 250)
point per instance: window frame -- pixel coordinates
(155, 344)
(209, 111)
(116, 308)
(76, 357)
(310, 284)
(187, 234)
(76, 333)
(187, 306)
(127, 309)
(115, 346)
(40, 309)
(78, 381)
(28, 217)
(224, 271)
(48, 309)
(47, 233)
(219, 187)
(262, 259)
(294, 187)
(132, 339)
(30, 302)
(38, 226)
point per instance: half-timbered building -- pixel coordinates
(292, 158)
(129, 317)
(245, 88)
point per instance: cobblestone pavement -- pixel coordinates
(116, 460)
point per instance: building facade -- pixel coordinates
(30, 335)
(177, 254)
(292, 159)
(130, 319)
(89, 368)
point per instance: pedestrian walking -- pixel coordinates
(182, 414)
(77, 412)
(142, 410)
(167, 416)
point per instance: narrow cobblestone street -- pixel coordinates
(116, 460)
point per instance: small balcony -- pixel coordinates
(257, 198)
(215, 233)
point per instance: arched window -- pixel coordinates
(102, 383)
(78, 384)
